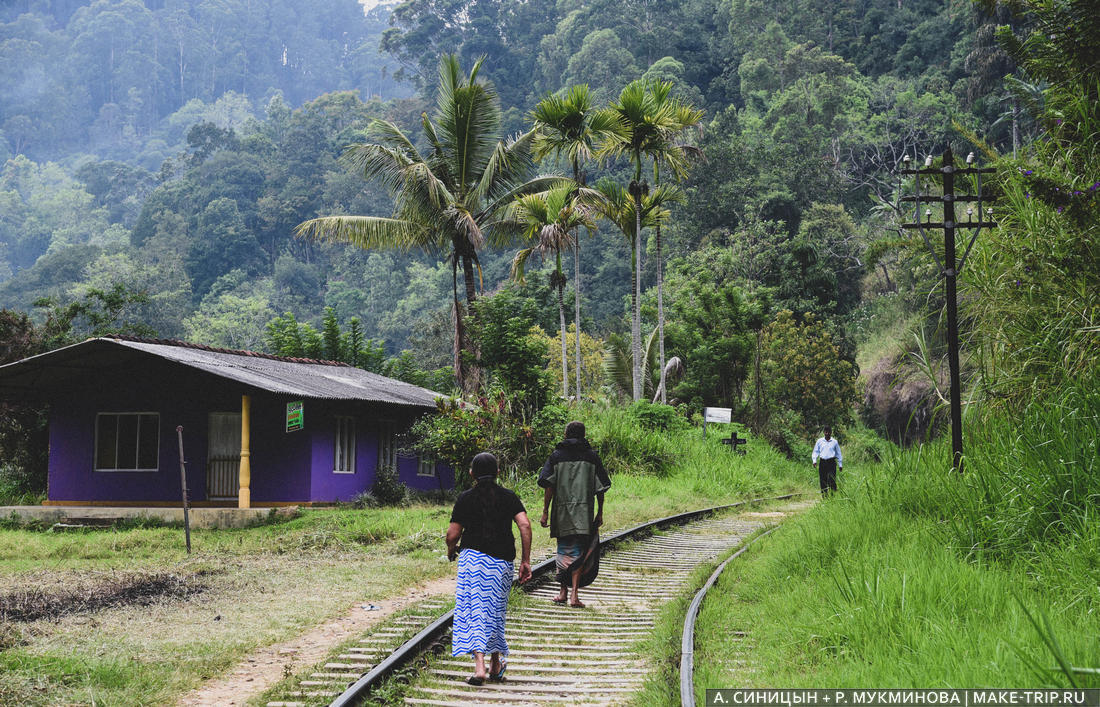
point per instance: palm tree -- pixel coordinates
(644, 125)
(568, 125)
(551, 219)
(686, 117)
(630, 213)
(617, 367)
(446, 200)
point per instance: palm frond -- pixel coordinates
(510, 160)
(519, 264)
(389, 134)
(368, 232)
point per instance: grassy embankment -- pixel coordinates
(915, 576)
(244, 589)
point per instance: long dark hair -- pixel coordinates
(490, 496)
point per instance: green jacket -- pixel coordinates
(577, 475)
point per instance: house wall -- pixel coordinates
(328, 486)
(72, 476)
(287, 467)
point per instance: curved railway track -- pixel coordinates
(558, 654)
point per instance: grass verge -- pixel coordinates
(916, 576)
(267, 584)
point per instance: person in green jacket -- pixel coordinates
(574, 482)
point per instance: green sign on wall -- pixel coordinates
(295, 416)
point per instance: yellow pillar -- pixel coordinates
(244, 495)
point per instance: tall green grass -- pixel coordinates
(915, 575)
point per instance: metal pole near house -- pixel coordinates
(183, 485)
(950, 266)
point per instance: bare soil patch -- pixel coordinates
(267, 666)
(117, 590)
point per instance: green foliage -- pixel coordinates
(405, 367)
(626, 446)
(498, 423)
(286, 336)
(657, 417)
(804, 373)
(712, 324)
(1031, 478)
(387, 489)
(507, 351)
(96, 313)
(1035, 280)
(24, 435)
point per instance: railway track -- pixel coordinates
(558, 654)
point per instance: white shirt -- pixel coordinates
(827, 449)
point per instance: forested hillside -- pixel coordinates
(165, 151)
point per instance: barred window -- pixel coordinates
(387, 444)
(426, 466)
(344, 446)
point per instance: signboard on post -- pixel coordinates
(718, 415)
(295, 416)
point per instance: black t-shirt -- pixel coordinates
(486, 513)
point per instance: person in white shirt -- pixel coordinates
(827, 459)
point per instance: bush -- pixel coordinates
(805, 373)
(500, 423)
(626, 447)
(652, 416)
(387, 490)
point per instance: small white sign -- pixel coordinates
(718, 414)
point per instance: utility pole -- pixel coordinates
(950, 266)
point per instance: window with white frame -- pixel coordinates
(387, 444)
(426, 466)
(344, 446)
(127, 441)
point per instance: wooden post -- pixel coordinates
(244, 495)
(183, 485)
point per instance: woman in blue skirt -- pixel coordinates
(480, 536)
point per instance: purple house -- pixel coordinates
(258, 430)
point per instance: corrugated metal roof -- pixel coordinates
(304, 378)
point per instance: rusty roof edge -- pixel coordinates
(215, 349)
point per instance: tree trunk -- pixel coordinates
(579, 179)
(577, 311)
(472, 373)
(564, 346)
(1015, 127)
(758, 384)
(661, 316)
(636, 297)
(456, 315)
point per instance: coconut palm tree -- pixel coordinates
(446, 199)
(551, 220)
(645, 124)
(569, 125)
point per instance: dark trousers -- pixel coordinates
(826, 472)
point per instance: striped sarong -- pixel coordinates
(481, 599)
(578, 554)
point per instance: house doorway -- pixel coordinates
(223, 456)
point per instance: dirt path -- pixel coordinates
(269, 665)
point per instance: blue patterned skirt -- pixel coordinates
(481, 598)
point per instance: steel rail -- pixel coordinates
(687, 639)
(413, 647)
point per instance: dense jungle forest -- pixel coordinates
(160, 156)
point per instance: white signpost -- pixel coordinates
(717, 415)
(724, 415)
